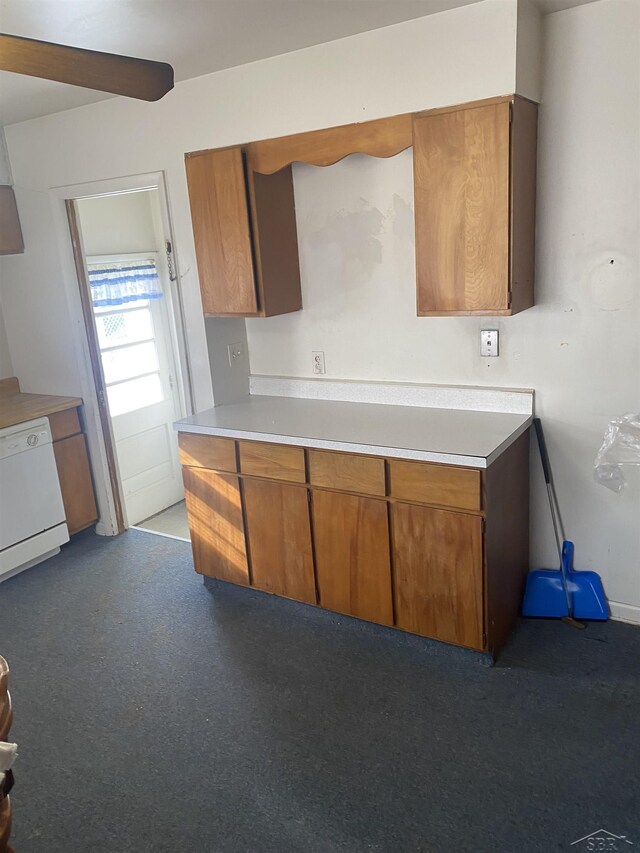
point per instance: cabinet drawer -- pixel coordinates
(435, 484)
(206, 451)
(276, 461)
(64, 424)
(347, 472)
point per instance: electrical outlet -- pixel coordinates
(489, 343)
(318, 361)
(236, 351)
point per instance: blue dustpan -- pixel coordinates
(564, 593)
(545, 593)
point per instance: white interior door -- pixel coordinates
(140, 376)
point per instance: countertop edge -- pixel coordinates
(352, 447)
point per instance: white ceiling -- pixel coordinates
(195, 36)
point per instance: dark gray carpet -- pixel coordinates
(155, 715)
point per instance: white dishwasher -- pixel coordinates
(32, 520)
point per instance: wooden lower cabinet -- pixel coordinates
(279, 537)
(437, 557)
(217, 528)
(443, 552)
(76, 485)
(353, 566)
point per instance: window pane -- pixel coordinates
(128, 362)
(125, 327)
(135, 394)
(109, 309)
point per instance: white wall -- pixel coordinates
(579, 347)
(118, 224)
(6, 367)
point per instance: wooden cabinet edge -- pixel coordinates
(82, 479)
(506, 540)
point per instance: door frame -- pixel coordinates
(98, 421)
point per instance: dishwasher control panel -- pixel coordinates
(23, 437)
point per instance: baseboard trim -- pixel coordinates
(625, 612)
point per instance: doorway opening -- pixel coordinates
(133, 322)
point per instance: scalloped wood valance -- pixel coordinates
(380, 138)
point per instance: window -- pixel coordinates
(127, 343)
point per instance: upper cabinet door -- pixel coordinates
(220, 217)
(464, 159)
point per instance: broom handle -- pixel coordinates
(558, 527)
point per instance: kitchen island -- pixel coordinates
(410, 516)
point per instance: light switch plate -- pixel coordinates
(489, 343)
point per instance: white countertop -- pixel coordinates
(451, 436)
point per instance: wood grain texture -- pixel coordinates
(380, 138)
(347, 472)
(524, 136)
(443, 485)
(106, 72)
(276, 461)
(214, 511)
(6, 712)
(275, 241)
(353, 567)
(207, 451)
(279, 536)
(65, 423)
(11, 241)
(19, 408)
(5, 823)
(466, 105)
(506, 484)
(6, 716)
(9, 387)
(461, 178)
(76, 485)
(220, 219)
(437, 564)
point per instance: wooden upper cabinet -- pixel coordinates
(245, 235)
(474, 177)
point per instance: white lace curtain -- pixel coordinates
(123, 282)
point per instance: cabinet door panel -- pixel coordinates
(220, 218)
(461, 177)
(214, 511)
(437, 559)
(353, 564)
(76, 485)
(279, 535)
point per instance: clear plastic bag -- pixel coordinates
(621, 446)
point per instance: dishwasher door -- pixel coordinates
(30, 497)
